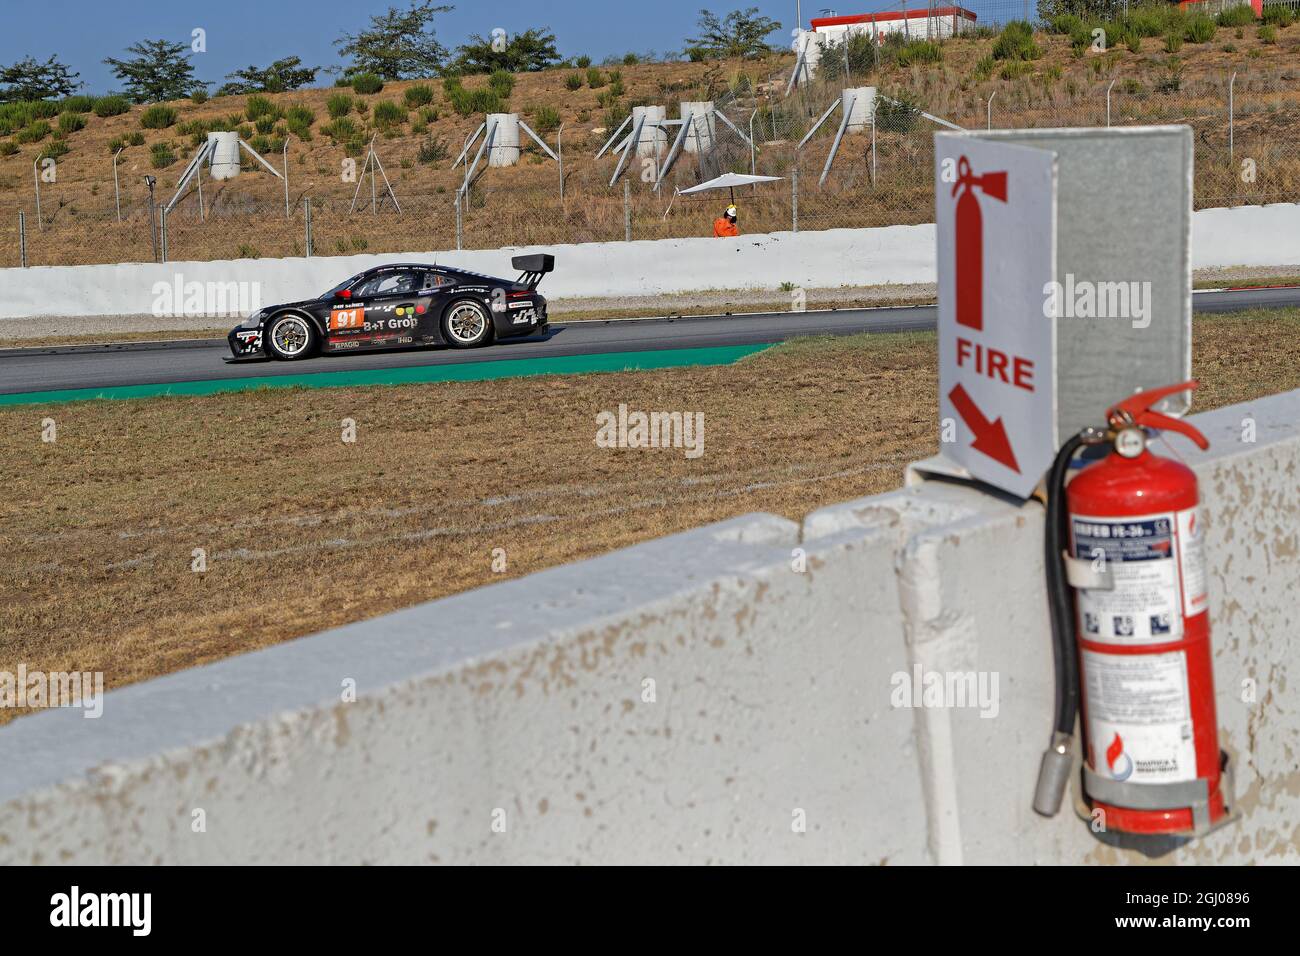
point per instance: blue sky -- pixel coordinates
(243, 32)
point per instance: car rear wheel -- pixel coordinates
(466, 324)
(290, 337)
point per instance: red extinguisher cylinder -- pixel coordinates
(1145, 658)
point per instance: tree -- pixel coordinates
(400, 44)
(31, 80)
(158, 72)
(739, 34)
(526, 52)
(282, 75)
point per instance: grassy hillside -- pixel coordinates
(419, 128)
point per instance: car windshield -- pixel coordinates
(329, 294)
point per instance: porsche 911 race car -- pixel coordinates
(407, 305)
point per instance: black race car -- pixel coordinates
(407, 305)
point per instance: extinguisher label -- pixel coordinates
(1145, 604)
(1139, 718)
(1191, 562)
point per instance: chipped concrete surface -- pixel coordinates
(528, 703)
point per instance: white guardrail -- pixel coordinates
(729, 694)
(1243, 236)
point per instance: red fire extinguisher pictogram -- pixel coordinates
(969, 229)
(1133, 557)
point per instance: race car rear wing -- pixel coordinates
(533, 267)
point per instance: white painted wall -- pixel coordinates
(1246, 236)
(772, 697)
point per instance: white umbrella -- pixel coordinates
(725, 181)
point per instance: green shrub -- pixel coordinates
(433, 150)
(1238, 16)
(199, 96)
(1014, 69)
(1268, 33)
(342, 130)
(897, 113)
(367, 84)
(8, 147)
(135, 139)
(546, 119)
(920, 51)
(1279, 16)
(258, 107)
(33, 132)
(1200, 29)
(418, 95)
(1016, 42)
(71, 122)
(339, 104)
(389, 113)
(983, 68)
(582, 62)
(161, 155)
(53, 150)
(45, 109)
(595, 79)
(1173, 42)
(158, 117)
(428, 114)
(1134, 43)
(298, 113)
(265, 125)
(573, 82)
(77, 104)
(502, 83)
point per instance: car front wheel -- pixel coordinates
(466, 324)
(290, 337)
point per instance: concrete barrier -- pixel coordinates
(1245, 236)
(722, 695)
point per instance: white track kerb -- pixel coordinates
(1244, 236)
(530, 702)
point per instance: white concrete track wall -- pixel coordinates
(772, 698)
(1245, 236)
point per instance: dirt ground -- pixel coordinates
(300, 530)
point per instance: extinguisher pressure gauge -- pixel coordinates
(1130, 442)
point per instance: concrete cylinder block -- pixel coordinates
(225, 155)
(654, 139)
(859, 104)
(704, 126)
(505, 144)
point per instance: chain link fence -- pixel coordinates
(1246, 124)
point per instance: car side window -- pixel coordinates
(389, 283)
(435, 280)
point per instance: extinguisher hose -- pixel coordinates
(1054, 772)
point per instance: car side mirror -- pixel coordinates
(343, 294)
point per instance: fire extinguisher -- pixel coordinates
(1126, 540)
(968, 226)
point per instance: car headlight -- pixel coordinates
(254, 320)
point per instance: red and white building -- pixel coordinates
(923, 23)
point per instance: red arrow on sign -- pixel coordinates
(990, 436)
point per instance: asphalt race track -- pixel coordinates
(104, 366)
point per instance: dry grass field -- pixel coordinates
(522, 204)
(303, 531)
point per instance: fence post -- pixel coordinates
(794, 197)
(22, 238)
(1231, 119)
(163, 228)
(989, 123)
(627, 211)
(306, 215)
(460, 225)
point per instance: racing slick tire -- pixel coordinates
(466, 324)
(290, 336)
